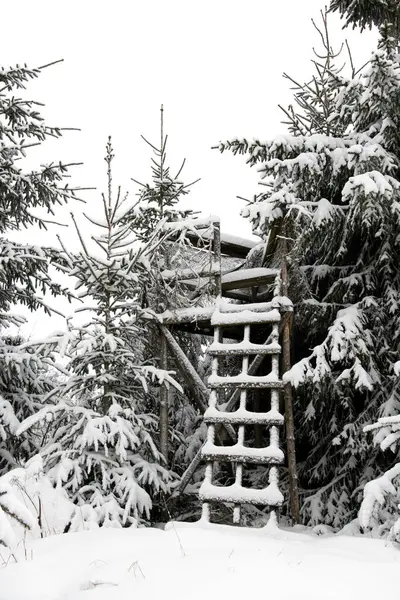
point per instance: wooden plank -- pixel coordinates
(248, 282)
(250, 419)
(216, 246)
(224, 499)
(235, 351)
(255, 385)
(245, 317)
(251, 460)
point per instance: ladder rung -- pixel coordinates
(228, 307)
(243, 454)
(242, 349)
(269, 496)
(245, 317)
(244, 381)
(243, 417)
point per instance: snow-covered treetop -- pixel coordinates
(159, 199)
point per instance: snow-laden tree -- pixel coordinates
(28, 197)
(27, 374)
(155, 214)
(102, 448)
(381, 503)
(332, 186)
(159, 199)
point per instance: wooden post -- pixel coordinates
(164, 399)
(217, 256)
(288, 397)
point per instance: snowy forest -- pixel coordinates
(109, 421)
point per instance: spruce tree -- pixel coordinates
(159, 199)
(25, 195)
(156, 213)
(333, 188)
(102, 449)
(158, 204)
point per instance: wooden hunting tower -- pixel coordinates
(249, 318)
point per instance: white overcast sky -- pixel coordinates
(215, 65)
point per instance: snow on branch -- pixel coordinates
(347, 341)
(283, 146)
(375, 492)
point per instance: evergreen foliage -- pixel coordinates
(27, 374)
(27, 198)
(158, 199)
(101, 448)
(157, 206)
(380, 506)
(366, 13)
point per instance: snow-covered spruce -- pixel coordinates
(158, 211)
(159, 199)
(334, 183)
(102, 447)
(26, 372)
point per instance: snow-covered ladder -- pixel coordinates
(227, 315)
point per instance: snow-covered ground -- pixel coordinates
(203, 562)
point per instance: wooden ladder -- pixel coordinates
(266, 314)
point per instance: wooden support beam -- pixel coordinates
(246, 279)
(217, 257)
(195, 315)
(191, 377)
(164, 399)
(190, 471)
(288, 397)
(235, 295)
(193, 380)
